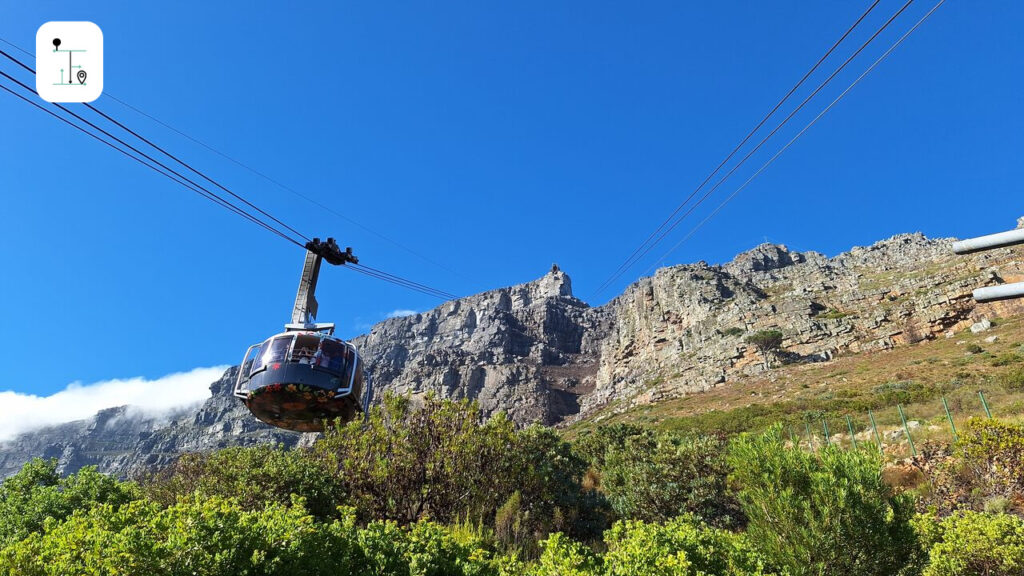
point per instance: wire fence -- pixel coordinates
(812, 440)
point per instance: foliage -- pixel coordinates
(1007, 358)
(1013, 379)
(973, 543)
(987, 463)
(440, 460)
(973, 348)
(767, 342)
(822, 513)
(657, 477)
(680, 546)
(215, 536)
(732, 331)
(595, 443)
(37, 494)
(564, 557)
(252, 476)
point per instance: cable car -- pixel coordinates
(305, 377)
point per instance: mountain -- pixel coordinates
(542, 355)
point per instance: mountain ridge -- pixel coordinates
(540, 354)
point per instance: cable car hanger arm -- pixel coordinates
(305, 309)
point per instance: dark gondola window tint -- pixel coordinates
(332, 356)
(272, 351)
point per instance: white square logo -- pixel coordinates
(69, 61)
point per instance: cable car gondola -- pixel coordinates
(304, 377)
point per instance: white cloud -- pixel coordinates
(400, 312)
(23, 412)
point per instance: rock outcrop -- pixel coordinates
(542, 355)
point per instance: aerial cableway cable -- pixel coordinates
(774, 131)
(799, 134)
(648, 245)
(260, 174)
(163, 169)
(164, 152)
(155, 165)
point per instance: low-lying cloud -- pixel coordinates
(24, 412)
(401, 312)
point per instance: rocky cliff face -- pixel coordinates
(542, 355)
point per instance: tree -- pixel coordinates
(825, 513)
(767, 342)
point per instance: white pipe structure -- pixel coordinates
(1001, 292)
(1000, 240)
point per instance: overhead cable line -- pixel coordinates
(163, 169)
(262, 175)
(166, 153)
(645, 248)
(799, 134)
(166, 171)
(630, 260)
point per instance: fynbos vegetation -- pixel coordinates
(433, 488)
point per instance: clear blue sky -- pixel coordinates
(497, 139)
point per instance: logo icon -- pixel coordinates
(69, 61)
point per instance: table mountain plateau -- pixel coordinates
(540, 354)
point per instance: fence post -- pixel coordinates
(949, 417)
(875, 428)
(792, 438)
(913, 449)
(849, 426)
(984, 404)
(810, 438)
(824, 423)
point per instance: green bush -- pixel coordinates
(252, 476)
(1006, 359)
(1013, 380)
(682, 546)
(37, 494)
(973, 348)
(733, 331)
(562, 556)
(210, 537)
(655, 477)
(822, 513)
(987, 463)
(973, 543)
(440, 460)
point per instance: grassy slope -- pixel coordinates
(917, 376)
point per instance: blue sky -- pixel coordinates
(495, 139)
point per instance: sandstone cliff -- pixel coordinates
(540, 354)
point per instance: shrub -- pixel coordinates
(1006, 359)
(1013, 380)
(973, 543)
(37, 494)
(973, 348)
(822, 513)
(732, 331)
(987, 463)
(681, 546)
(252, 476)
(657, 477)
(564, 557)
(440, 460)
(212, 537)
